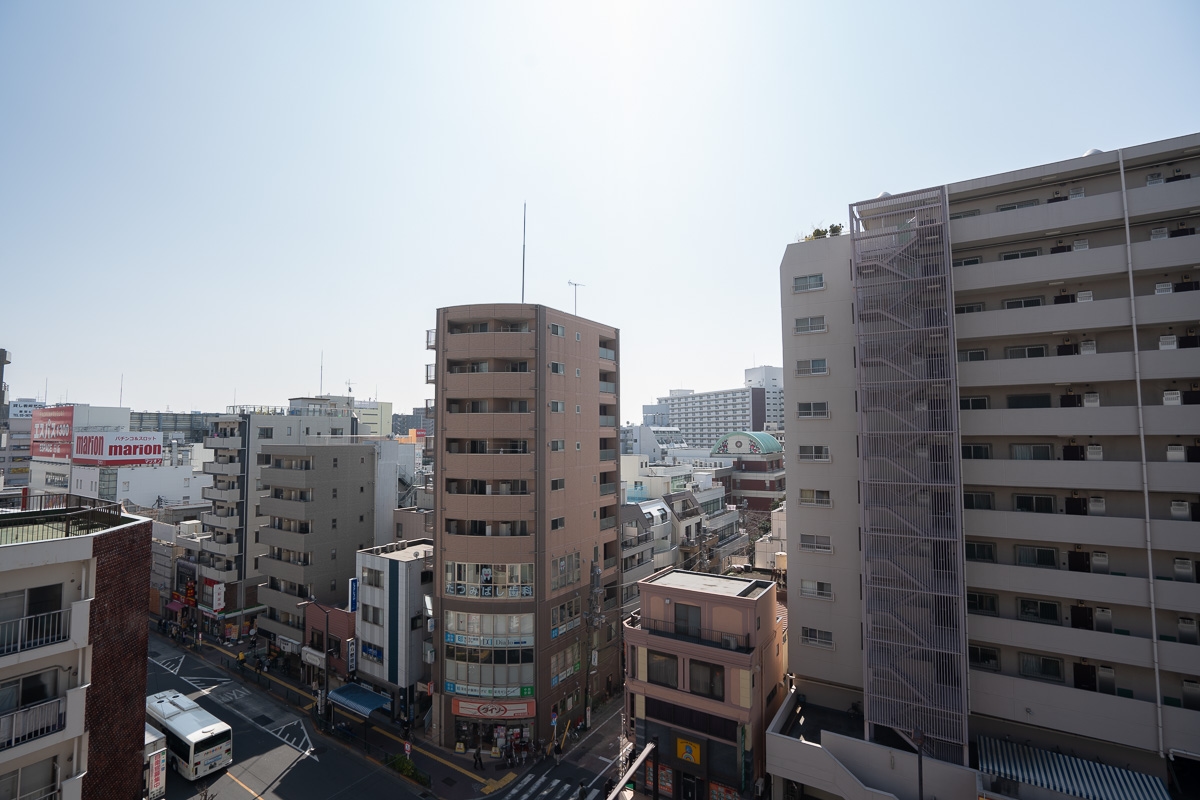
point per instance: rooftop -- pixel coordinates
(402, 551)
(708, 583)
(746, 442)
(46, 517)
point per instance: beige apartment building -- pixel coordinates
(993, 472)
(705, 663)
(526, 486)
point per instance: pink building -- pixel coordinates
(705, 664)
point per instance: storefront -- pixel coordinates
(693, 767)
(495, 724)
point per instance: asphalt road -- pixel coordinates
(276, 752)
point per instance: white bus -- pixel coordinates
(198, 742)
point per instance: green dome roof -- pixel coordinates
(746, 442)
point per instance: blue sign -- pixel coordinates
(353, 595)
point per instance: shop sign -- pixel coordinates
(158, 773)
(112, 449)
(51, 432)
(218, 597)
(351, 656)
(495, 709)
(687, 750)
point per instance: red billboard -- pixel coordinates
(52, 432)
(111, 448)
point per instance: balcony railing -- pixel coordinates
(608, 488)
(608, 387)
(728, 641)
(608, 522)
(608, 455)
(636, 540)
(32, 722)
(431, 373)
(610, 562)
(431, 339)
(608, 421)
(607, 354)
(35, 631)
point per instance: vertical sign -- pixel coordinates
(218, 597)
(351, 655)
(353, 595)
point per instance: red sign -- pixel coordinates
(51, 432)
(494, 709)
(110, 449)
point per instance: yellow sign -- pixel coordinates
(687, 751)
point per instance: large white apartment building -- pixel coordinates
(993, 477)
(704, 417)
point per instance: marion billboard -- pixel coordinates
(52, 432)
(113, 449)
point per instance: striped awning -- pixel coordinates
(1066, 774)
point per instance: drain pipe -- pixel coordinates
(1174, 751)
(1137, 382)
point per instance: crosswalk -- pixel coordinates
(543, 787)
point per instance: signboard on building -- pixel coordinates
(218, 591)
(157, 779)
(51, 432)
(117, 448)
(495, 709)
(353, 595)
(351, 655)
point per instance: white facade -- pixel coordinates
(703, 417)
(23, 407)
(145, 485)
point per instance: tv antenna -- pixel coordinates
(576, 286)
(349, 388)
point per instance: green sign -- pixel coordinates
(526, 691)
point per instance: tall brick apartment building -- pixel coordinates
(73, 632)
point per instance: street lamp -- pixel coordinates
(918, 737)
(325, 662)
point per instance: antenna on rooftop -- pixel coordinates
(349, 388)
(576, 285)
(321, 384)
(524, 206)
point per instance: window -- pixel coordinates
(972, 403)
(372, 577)
(814, 452)
(557, 445)
(812, 410)
(333, 584)
(687, 620)
(1014, 255)
(810, 324)
(1032, 610)
(266, 433)
(816, 543)
(974, 212)
(815, 497)
(662, 669)
(812, 366)
(557, 523)
(558, 483)
(972, 355)
(1032, 452)
(557, 406)
(578, 336)
(706, 680)
(968, 308)
(1026, 351)
(816, 589)
(1032, 556)
(808, 283)
(1035, 503)
(1029, 401)
(1016, 205)
(976, 451)
(335, 463)
(578, 445)
(557, 330)
(1042, 667)
(981, 657)
(333, 523)
(1023, 302)
(558, 368)
(977, 501)
(969, 261)
(333, 554)
(980, 551)
(372, 614)
(979, 603)
(816, 637)
(578, 373)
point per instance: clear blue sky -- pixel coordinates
(204, 196)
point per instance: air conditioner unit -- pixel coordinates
(1172, 397)
(1106, 680)
(1169, 342)
(1091, 400)
(1181, 509)
(1164, 288)
(1087, 347)
(1176, 452)
(1095, 506)
(1083, 297)
(1158, 233)
(1079, 244)
(1185, 570)
(1100, 562)
(1102, 620)
(729, 641)
(1187, 630)
(1095, 452)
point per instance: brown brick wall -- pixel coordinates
(116, 700)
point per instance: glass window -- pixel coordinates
(980, 551)
(814, 452)
(1038, 610)
(816, 542)
(1035, 503)
(983, 657)
(812, 366)
(810, 324)
(1031, 556)
(1023, 302)
(812, 410)
(972, 355)
(1041, 667)
(706, 680)
(1032, 452)
(977, 501)
(663, 669)
(1026, 351)
(976, 451)
(972, 403)
(968, 308)
(817, 637)
(808, 283)
(979, 603)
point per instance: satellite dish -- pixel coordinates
(1092, 152)
(883, 195)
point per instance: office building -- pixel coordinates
(526, 506)
(703, 417)
(1001, 451)
(73, 633)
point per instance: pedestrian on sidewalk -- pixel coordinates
(557, 752)
(478, 756)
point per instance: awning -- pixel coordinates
(359, 699)
(1072, 776)
(174, 605)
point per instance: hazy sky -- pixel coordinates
(205, 196)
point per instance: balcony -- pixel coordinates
(1029, 222)
(431, 373)
(288, 478)
(1073, 266)
(1177, 596)
(1166, 420)
(288, 509)
(431, 339)
(608, 421)
(278, 600)
(32, 722)
(231, 468)
(1103, 589)
(1094, 316)
(222, 574)
(641, 540)
(738, 642)
(608, 488)
(1153, 202)
(608, 455)
(637, 573)
(1090, 475)
(607, 354)
(223, 442)
(1182, 364)
(221, 495)
(1078, 642)
(1114, 420)
(227, 522)
(292, 571)
(610, 562)
(1052, 369)
(1062, 528)
(608, 387)
(32, 632)
(608, 523)
(220, 544)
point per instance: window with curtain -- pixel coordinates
(663, 669)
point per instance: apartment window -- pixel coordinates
(970, 261)
(335, 463)
(979, 603)
(1032, 610)
(817, 637)
(557, 523)
(558, 368)
(981, 657)
(557, 406)
(808, 283)
(1016, 205)
(974, 212)
(558, 483)
(372, 614)
(1029, 401)
(1014, 255)
(333, 554)
(1032, 556)
(557, 445)
(976, 451)
(814, 452)
(816, 543)
(815, 497)
(1026, 351)
(557, 330)
(972, 403)
(980, 551)
(816, 589)
(1023, 302)
(662, 669)
(372, 577)
(1041, 667)
(972, 355)
(335, 493)
(812, 366)
(333, 586)
(578, 445)
(968, 308)
(706, 680)
(1035, 503)
(333, 524)
(978, 501)
(812, 410)
(1032, 452)
(578, 336)
(810, 324)
(266, 433)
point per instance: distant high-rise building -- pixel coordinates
(704, 417)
